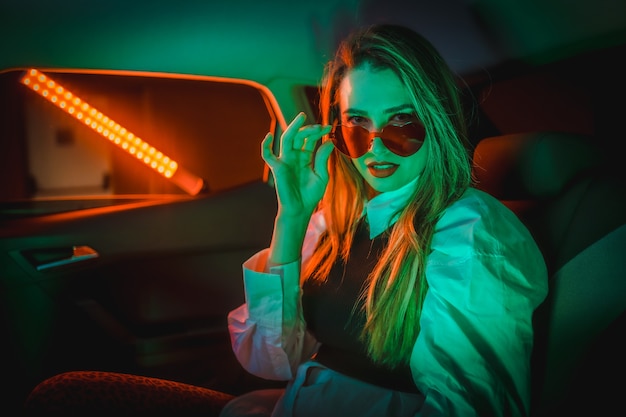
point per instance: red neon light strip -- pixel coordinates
(82, 111)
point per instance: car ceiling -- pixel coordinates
(281, 38)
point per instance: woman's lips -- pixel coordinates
(382, 169)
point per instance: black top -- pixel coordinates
(331, 316)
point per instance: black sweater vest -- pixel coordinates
(331, 315)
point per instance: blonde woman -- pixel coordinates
(391, 286)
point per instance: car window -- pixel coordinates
(138, 134)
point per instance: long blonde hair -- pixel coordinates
(394, 292)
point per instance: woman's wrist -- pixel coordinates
(287, 239)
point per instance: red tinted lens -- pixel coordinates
(354, 141)
(403, 140)
(351, 140)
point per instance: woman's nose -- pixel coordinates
(376, 144)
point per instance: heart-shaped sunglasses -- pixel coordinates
(401, 139)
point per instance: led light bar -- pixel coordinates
(109, 129)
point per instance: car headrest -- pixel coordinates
(532, 165)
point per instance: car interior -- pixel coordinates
(559, 185)
(108, 266)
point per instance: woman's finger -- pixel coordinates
(290, 134)
(311, 142)
(321, 160)
(267, 151)
(306, 134)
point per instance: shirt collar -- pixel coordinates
(383, 210)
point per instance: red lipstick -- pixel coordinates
(382, 169)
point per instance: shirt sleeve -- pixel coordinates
(268, 332)
(486, 277)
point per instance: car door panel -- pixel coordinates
(155, 298)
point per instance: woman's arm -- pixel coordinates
(486, 278)
(268, 332)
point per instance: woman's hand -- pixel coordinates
(300, 172)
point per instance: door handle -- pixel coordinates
(43, 259)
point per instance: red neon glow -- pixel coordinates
(109, 129)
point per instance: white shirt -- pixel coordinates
(486, 276)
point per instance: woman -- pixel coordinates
(391, 287)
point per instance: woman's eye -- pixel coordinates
(357, 121)
(402, 118)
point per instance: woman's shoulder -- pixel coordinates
(480, 206)
(481, 238)
(479, 222)
(474, 195)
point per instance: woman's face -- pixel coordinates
(373, 99)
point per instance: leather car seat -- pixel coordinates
(574, 203)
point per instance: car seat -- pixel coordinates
(574, 204)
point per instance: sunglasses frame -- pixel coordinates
(337, 137)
